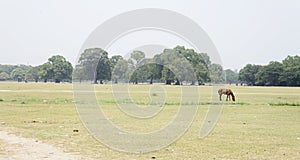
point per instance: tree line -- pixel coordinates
(172, 66)
(285, 73)
(56, 69)
(175, 65)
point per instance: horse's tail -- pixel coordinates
(233, 97)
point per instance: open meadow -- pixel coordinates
(263, 123)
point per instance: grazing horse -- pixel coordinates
(228, 92)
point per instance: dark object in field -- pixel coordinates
(201, 83)
(75, 130)
(227, 92)
(153, 157)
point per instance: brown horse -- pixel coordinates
(228, 92)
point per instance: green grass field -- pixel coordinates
(263, 123)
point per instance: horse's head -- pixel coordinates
(233, 97)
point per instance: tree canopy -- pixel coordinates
(175, 65)
(285, 73)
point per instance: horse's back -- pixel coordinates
(222, 90)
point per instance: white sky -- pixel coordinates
(244, 31)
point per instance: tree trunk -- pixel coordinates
(177, 82)
(151, 80)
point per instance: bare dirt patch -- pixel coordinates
(15, 147)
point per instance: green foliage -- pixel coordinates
(18, 74)
(177, 64)
(57, 68)
(291, 71)
(286, 73)
(32, 74)
(119, 70)
(114, 61)
(103, 68)
(93, 65)
(4, 76)
(7, 68)
(216, 73)
(153, 71)
(231, 76)
(135, 72)
(270, 74)
(200, 63)
(247, 74)
(45, 71)
(138, 56)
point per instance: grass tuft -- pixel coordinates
(154, 94)
(284, 104)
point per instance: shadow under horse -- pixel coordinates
(227, 92)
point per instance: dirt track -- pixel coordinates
(20, 148)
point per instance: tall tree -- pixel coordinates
(45, 71)
(165, 59)
(134, 70)
(103, 68)
(247, 74)
(62, 68)
(152, 71)
(231, 76)
(4, 76)
(270, 74)
(291, 71)
(17, 74)
(216, 73)
(32, 73)
(57, 68)
(114, 61)
(199, 62)
(94, 65)
(120, 70)
(7, 68)
(137, 56)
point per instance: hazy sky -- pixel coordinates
(244, 31)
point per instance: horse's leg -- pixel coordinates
(220, 97)
(227, 98)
